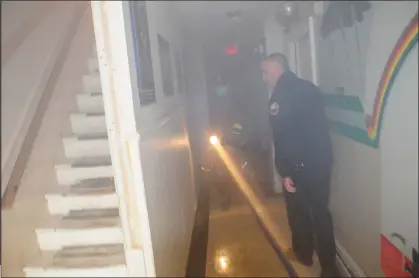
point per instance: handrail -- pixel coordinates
(108, 19)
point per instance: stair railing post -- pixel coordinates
(111, 20)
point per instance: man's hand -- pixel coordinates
(289, 185)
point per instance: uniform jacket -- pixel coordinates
(299, 124)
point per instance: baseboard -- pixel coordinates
(346, 264)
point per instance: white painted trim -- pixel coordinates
(133, 139)
(292, 59)
(111, 24)
(313, 53)
(300, 30)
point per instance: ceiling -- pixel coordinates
(210, 17)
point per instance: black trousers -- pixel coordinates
(309, 217)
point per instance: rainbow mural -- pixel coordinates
(404, 45)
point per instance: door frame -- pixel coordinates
(305, 28)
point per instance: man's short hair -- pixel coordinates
(280, 59)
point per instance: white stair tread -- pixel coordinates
(95, 98)
(63, 199)
(74, 170)
(101, 187)
(86, 145)
(86, 162)
(92, 94)
(81, 257)
(92, 184)
(84, 219)
(92, 136)
(82, 123)
(89, 114)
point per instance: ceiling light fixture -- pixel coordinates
(288, 8)
(234, 15)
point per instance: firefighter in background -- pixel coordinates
(303, 158)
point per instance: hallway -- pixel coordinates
(103, 143)
(232, 240)
(237, 246)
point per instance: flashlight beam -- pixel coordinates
(272, 229)
(213, 140)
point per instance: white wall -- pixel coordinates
(274, 36)
(399, 139)
(165, 153)
(197, 98)
(274, 43)
(31, 35)
(374, 190)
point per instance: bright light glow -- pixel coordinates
(260, 209)
(288, 8)
(213, 140)
(231, 49)
(222, 261)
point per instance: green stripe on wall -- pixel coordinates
(352, 132)
(352, 103)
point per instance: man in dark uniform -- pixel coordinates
(303, 158)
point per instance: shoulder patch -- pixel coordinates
(274, 109)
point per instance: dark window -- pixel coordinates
(166, 66)
(143, 63)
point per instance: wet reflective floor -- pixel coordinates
(237, 246)
(231, 242)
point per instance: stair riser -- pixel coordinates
(67, 175)
(93, 65)
(91, 83)
(62, 205)
(56, 239)
(75, 148)
(82, 124)
(90, 104)
(115, 271)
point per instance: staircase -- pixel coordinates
(83, 235)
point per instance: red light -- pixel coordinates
(232, 49)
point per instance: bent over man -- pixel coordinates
(303, 158)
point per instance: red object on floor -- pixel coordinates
(392, 262)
